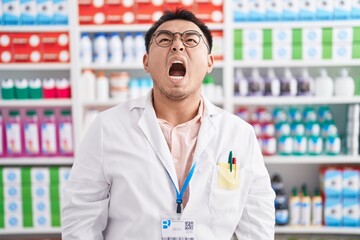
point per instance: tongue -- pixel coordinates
(177, 73)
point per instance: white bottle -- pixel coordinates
(305, 83)
(102, 87)
(129, 45)
(88, 79)
(272, 84)
(115, 48)
(324, 85)
(100, 48)
(256, 83)
(317, 206)
(288, 84)
(241, 86)
(139, 47)
(344, 85)
(86, 51)
(295, 208)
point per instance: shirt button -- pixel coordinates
(175, 160)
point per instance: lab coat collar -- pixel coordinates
(152, 131)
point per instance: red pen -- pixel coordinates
(234, 163)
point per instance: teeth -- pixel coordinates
(177, 61)
(177, 77)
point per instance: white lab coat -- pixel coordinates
(120, 187)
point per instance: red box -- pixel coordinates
(27, 47)
(6, 48)
(55, 47)
(173, 4)
(208, 12)
(218, 45)
(89, 14)
(120, 14)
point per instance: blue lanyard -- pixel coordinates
(179, 196)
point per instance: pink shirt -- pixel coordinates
(181, 140)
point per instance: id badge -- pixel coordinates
(178, 229)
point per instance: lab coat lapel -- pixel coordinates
(150, 127)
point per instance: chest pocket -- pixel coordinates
(229, 188)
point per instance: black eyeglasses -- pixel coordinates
(190, 38)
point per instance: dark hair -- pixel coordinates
(178, 13)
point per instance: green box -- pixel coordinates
(356, 50)
(267, 36)
(327, 51)
(238, 53)
(327, 37)
(238, 36)
(297, 36)
(356, 34)
(267, 52)
(296, 52)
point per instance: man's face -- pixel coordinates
(177, 70)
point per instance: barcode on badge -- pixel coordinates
(177, 238)
(189, 225)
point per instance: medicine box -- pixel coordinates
(333, 212)
(332, 182)
(351, 212)
(351, 183)
(290, 10)
(241, 10)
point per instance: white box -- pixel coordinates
(64, 174)
(252, 36)
(351, 180)
(342, 35)
(241, 10)
(333, 212)
(12, 191)
(13, 221)
(281, 35)
(45, 12)
(307, 9)
(41, 213)
(324, 9)
(312, 51)
(351, 212)
(40, 191)
(342, 9)
(342, 51)
(257, 10)
(40, 175)
(291, 9)
(282, 52)
(273, 10)
(312, 35)
(11, 11)
(60, 11)
(13, 207)
(253, 52)
(11, 175)
(355, 9)
(28, 11)
(333, 183)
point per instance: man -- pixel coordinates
(170, 165)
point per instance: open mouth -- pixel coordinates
(177, 69)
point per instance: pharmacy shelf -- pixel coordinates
(298, 100)
(124, 66)
(35, 28)
(36, 103)
(34, 66)
(296, 24)
(317, 230)
(130, 28)
(296, 63)
(26, 161)
(321, 159)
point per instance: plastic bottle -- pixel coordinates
(13, 134)
(7, 89)
(256, 83)
(295, 208)
(317, 208)
(48, 134)
(305, 83)
(288, 84)
(21, 88)
(209, 87)
(102, 87)
(63, 88)
(35, 88)
(129, 45)
(65, 130)
(134, 88)
(139, 47)
(49, 90)
(119, 85)
(88, 82)
(115, 48)
(324, 85)
(305, 207)
(272, 84)
(100, 48)
(241, 86)
(31, 134)
(86, 49)
(2, 136)
(344, 85)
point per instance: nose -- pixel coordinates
(177, 45)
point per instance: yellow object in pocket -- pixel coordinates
(227, 179)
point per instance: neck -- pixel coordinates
(176, 112)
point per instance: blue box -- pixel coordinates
(351, 212)
(333, 212)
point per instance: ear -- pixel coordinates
(146, 62)
(210, 62)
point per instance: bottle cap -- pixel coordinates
(30, 113)
(14, 113)
(48, 112)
